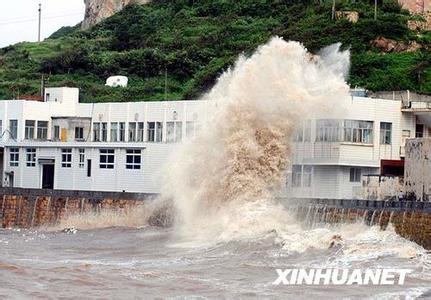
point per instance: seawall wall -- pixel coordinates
(26, 208)
(410, 219)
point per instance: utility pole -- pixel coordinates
(333, 10)
(40, 21)
(166, 83)
(42, 87)
(375, 9)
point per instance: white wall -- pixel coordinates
(332, 161)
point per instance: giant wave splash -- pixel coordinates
(223, 183)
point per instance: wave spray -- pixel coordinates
(223, 182)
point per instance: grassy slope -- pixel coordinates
(194, 41)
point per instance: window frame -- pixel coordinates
(42, 131)
(151, 132)
(174, 131)
(122, 131)
(135, 156)
(104, 132)
(140, 132)
(13, 128)
(355, 175)
(190, 129)
(307, 176)
(131, 136)
(296, 176)
(96, 132)
(81, 155)
(79, 133)
(57, 134)
(28, 129)
(385, 133)
(114, 132)
(66, 158)
(30, 154)
(358, 132)
(105, 163)
(14, 157)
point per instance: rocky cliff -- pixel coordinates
(98, 10)
(416, 6)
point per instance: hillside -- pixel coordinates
(189, 43)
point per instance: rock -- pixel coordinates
(336, 240)
(351, 16)
(416, 6)
(388, 45)
(70, 230)
(98, 10)
(421, 24)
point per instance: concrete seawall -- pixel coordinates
(26, 208)
(411, 220)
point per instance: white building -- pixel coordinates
(63, 144)
(333, 156)
(117, 81)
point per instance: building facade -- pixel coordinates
(63, 144)
(332, 157)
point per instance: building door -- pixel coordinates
(11, 179)
(48, 176)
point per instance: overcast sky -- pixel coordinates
(19, 18)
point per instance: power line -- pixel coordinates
(52, 14)
(35, 19)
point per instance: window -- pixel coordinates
(133, 159)
(79, 133)
(174, 132)
(132, 132)
(358, 131)
(328, 131)
(66, 158)
(307, 176)
(42, 130)
(190, 129)
(307, 131)
(13, 128)
(14, 157)
(140, 131)
(122, 131)
(29, 129)
(104, 132)
(155, 132)
(385, 133)
(81, 158)
(151, 131)
(114, 132)
(299, 133)
(107, 158)
(57, 133)
(159, 132)
(296, 175)
(419, 131)
(96, 132)
(31, 157)
(355, 175)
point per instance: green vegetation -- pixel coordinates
(186, 45)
